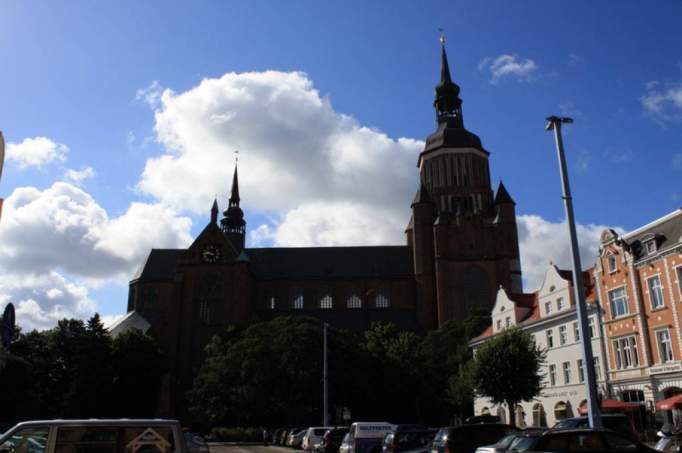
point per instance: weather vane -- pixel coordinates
(442, 36)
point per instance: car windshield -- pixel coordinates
(506, 441)
(523, 443)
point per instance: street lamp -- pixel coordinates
(554, 124)
(325, 402)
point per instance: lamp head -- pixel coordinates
(552, 120)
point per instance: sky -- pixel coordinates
(121, 121)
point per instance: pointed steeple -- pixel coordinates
(232, 223)
(234, 197)
(447, 103)
(214, 212)
(502, 196)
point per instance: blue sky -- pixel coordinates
(73, 72)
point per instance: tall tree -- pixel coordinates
(507, 369)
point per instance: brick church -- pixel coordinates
(461, 245)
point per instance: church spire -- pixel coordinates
(232, 223)
(214, 212)
(447, 103)
(234, 197)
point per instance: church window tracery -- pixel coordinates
(354, 301)
(298, 301)
(326, 301)
(382, 300)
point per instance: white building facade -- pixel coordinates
(549, 316)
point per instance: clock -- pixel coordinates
(210, 253)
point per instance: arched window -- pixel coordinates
(539, 418)
(520, 416)
(326, 301)
(297, 301)
(560, 411)
(476, 288)
(272, 302)
(485, 411)
(502, 414)
(381, 299)
(354, 301)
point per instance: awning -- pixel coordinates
(674, 402)
(611, 406)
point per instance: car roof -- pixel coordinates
(100, 422)
(579, 430)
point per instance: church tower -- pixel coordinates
(232, 223)
(464, 240)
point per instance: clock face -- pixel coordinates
(211, 253)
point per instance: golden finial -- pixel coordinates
(442, 36)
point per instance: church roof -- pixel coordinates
(502, 195)
(331, 262)
(301, 263)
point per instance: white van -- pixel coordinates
(102, 436)
(367, 437)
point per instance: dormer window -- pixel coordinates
(650, 247)
(611, 260)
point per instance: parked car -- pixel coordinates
(297, 438)
(510, 441)
(331, 440)
(313, 437)
(619, 423)
(94, 435)
(586, 439)
(195, 443)
(467, 438)
(407, 437)
(290, 436)
(346, 444)
(367, 437)
(487, 418)
(277, 436)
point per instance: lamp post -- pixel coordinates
(325, 408)
(594, 417)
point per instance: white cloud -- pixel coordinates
(507, 65)
(58, 243)
(42, 300)
(296, 153)
(620, 156)
(36, 152)
(78, 176)
(542, 241)
(151, 94)
(677, 161)
(663, 101)
(341, 223)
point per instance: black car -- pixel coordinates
(331, 440)
(619, 423)
(467, 438)
(407, 437)
(582, 440)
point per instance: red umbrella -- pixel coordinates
(674, 402)
(611, 406)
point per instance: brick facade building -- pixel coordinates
(638, 278)
(461, 246)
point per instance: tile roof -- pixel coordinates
(301, 263)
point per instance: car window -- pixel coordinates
(554, 444)
(90, 439)
(320, 431)
(523, 443)
(587, 441)
(505, 441)
(157, 439)
(27, 440)
(388, 439)
(620, 443)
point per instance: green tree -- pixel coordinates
(507, 369)
(137, 370)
